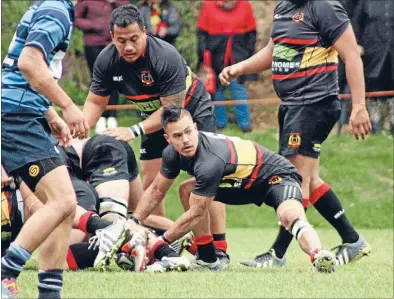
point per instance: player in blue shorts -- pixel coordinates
(29, 87)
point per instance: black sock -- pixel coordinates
(158, 231)
(164, 250)
(80, 257)
(207, 252)
(328, 205)
(50, 283)
(219, 237)
(94, 223)
(282, 242)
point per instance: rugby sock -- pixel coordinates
(282, 242)
(219, 241)
(161, 249)
(80, 257)
(90, 222)
(206, 249)
(50, 283)
(13, 261)
(328, 205)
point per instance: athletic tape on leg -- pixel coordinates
(299, 226)
(113, 206)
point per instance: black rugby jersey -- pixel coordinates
(225, 162)
(304, 63)
(160, 72)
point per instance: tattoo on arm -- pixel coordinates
(175, 99)
(198, 208)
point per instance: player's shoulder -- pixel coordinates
(160, 51)
(108, 57)
(170, 152)
(55, 7)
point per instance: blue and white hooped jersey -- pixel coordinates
(47, 25)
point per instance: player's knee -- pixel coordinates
(289, 211)
(67, 205)
(113, 206)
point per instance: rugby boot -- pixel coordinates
(169, 264)
(351, 252)
(265, 260)
(182, 243)
(223, 258)
(324, 261)
(108, 240)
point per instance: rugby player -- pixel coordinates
(303, 55)
(232, 171)
(30, 71)
(151, 73)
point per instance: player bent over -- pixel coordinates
(232, 171)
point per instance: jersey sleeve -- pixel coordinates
(170, 165)
(171, 73)
(48, 28)
(101, 80)
(331, 19)
(208, 176)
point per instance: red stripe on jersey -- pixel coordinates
(191, 93)
(232, 151)
(294, 41)
(142, 97)
(257, 168)
(305, 73)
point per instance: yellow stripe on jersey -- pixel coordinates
(314, 56)
(246, 158)
(5, 215)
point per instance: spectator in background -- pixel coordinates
(161, 19)
(373, 23)
(92, 17)
(227, 29)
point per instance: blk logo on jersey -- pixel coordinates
(146, 78)
(294, 140)
(298, 17)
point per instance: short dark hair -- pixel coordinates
(172, 113)
(125, 15)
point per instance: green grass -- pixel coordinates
(360, 172)
(371, 277)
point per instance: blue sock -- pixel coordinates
(13, 261)
(50, 283)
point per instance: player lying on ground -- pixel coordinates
(82, 255)
(233, 171)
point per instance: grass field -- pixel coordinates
(371, 277)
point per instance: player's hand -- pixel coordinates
(229, 74)
(60, 131)
(359, 122)
(120, 133)
(76, 121)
